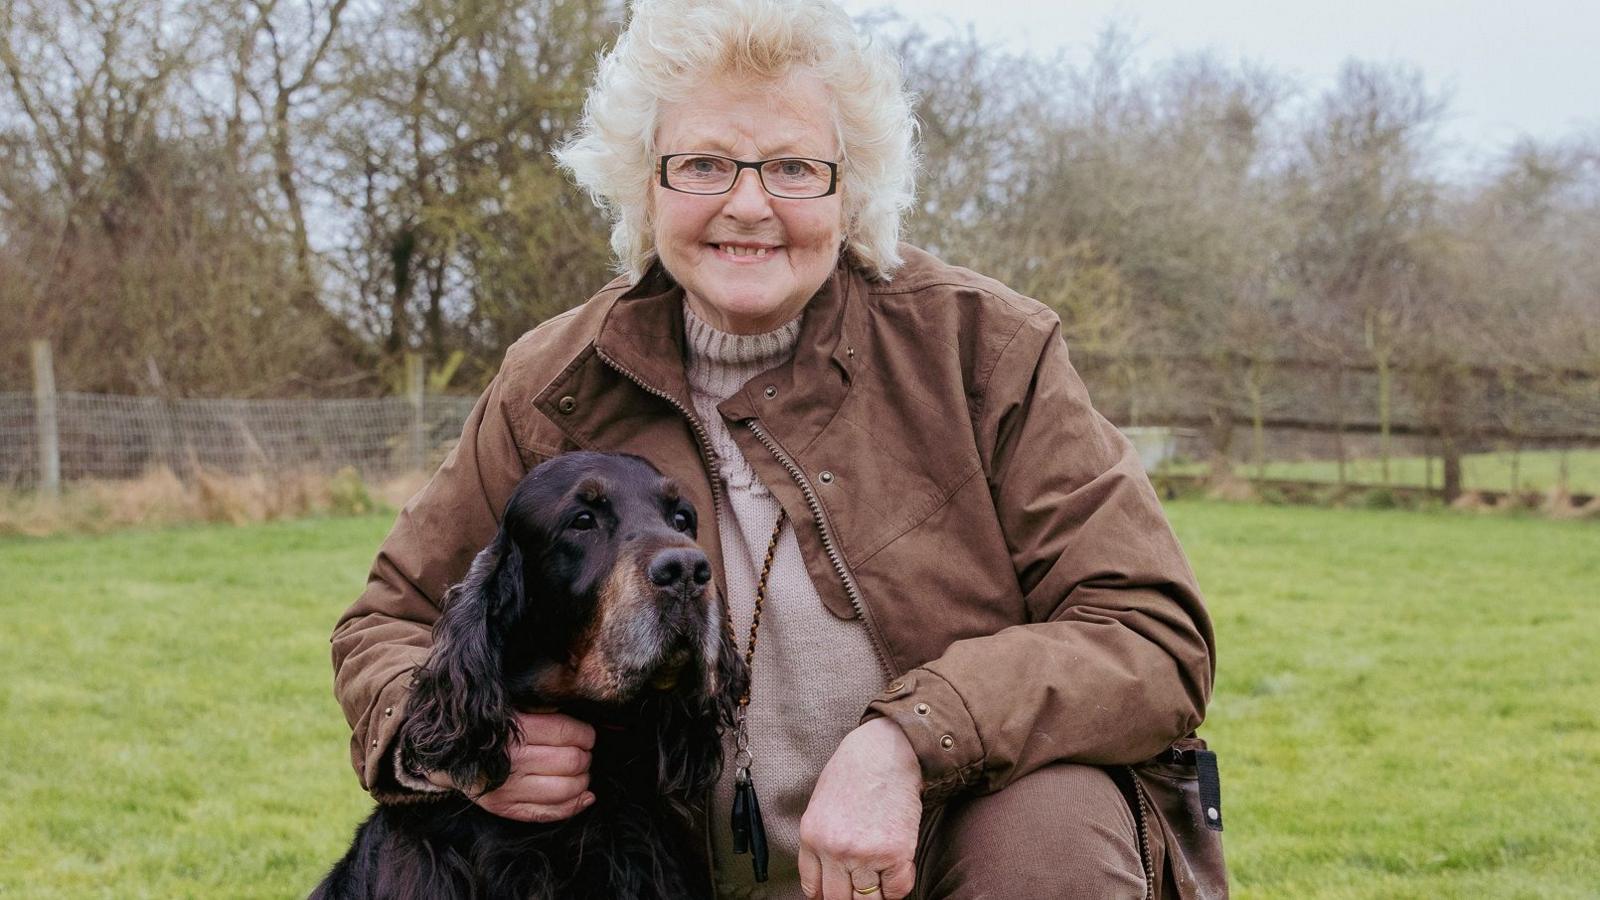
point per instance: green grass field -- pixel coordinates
(1531, 470)
(1406, 705)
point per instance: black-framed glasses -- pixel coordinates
(789, 177)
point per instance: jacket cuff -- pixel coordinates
(415, 781)
(375, 744)
(940, 728)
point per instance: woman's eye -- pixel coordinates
(702, 166)
(682, 521)
(584, 521)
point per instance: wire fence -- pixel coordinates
(110, 437)
(1472, 406)
(1309, 411)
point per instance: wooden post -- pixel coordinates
(1451, 435)
(44, 418)
(415, 383)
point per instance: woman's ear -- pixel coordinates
(460, 718)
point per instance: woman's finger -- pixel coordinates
(836, 881)
(555, 730)
(537, 789)
(538, 759)
(541, 812)
(810, 873)
(898, 880)
(868, 880)
(547, 788)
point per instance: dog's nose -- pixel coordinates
(680, 566)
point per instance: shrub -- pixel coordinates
(1379, 498)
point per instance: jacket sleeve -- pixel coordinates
(1116, 659)
(389, 629)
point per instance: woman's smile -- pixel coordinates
(746, 254)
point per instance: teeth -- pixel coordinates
(757, 252)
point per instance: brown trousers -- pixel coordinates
(1062, 831)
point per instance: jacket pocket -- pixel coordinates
(1181, 790)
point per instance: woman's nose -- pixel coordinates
(748, 199)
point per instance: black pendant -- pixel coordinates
(749, 833)
(741, 813)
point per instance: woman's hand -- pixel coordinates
(549, 771)
(860, 829)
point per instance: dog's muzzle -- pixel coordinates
(680, 576)
(681, 570)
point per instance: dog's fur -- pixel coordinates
(592, 598)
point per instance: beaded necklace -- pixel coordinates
(749, 834)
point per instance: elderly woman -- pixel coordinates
(974, 618)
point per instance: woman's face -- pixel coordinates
(709, 243)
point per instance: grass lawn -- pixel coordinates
(1405, 707)
(1534, 470)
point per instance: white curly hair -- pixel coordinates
(671, 46)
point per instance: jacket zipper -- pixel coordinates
(828, 546)
(708, 454)
(1143, 815)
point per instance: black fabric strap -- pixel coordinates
(1205, 763)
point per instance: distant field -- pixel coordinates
(1405, 705)
(1534, 470)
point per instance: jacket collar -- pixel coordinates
(643, 334)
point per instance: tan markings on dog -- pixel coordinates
(591, 490)
(623, 598)
(669, 489)
(719, 628)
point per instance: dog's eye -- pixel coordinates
(682, 521)
(584, 521)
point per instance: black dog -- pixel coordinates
(592, 598)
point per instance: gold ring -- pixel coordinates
(865, 891)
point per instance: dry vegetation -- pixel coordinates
(159, 498)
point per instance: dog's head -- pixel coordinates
(594, 597)
(618, 598)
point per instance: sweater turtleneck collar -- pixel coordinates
(718, 363)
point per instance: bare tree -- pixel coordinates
(1365, 201)
(133, 233)
(467, 234)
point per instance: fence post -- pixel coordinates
(415, 383)
(44, 417)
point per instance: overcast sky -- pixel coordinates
(1510, 66)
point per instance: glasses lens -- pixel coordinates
(700, 174)
(796, 177)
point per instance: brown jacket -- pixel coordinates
(950, 484)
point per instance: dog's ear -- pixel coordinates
(688, 751)
(689, 730)
(460, 718)
(728, 678)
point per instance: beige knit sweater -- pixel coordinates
(813, 673)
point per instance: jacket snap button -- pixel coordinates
(826, 476)
(921, 708)
(389, 711)
(896, 685)
(374, 742)
(947, 742)
(1211, 813)
(770, 392)
(567, 404)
